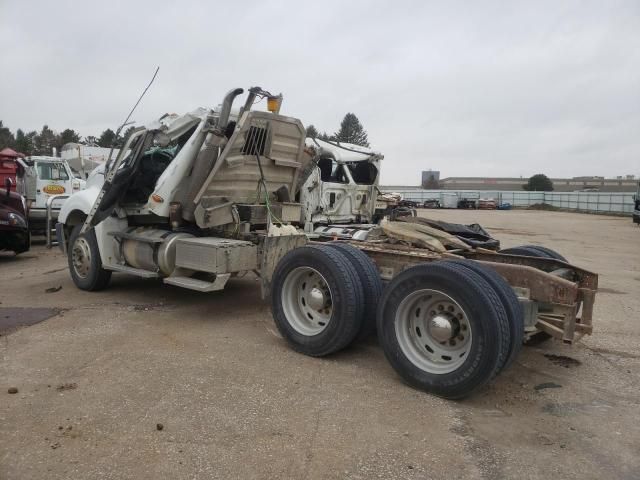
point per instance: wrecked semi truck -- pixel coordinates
(198, 198)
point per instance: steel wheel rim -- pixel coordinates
(433, 331)
(307, 301)
(81, 257)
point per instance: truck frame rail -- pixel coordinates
(557, 297)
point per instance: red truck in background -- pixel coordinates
(9, 167)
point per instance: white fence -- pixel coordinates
(620, 203)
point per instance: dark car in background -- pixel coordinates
(14, 225)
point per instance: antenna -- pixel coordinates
(126, 120)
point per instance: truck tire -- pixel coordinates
(548, 252)
(534, 251)
(525, 250)
(84, 261)
(443, 328)
(510, 302)
(316, 300)
(371, 284)
(26, 245)
(541, 252)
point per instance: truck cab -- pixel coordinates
(342, 187)
(44, 177)
(215, 184)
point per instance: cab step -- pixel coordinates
(199, 285)
(138, 272)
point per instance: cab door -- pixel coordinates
(52, 178)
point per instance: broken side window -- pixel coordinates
(363, 173)
(331, 171)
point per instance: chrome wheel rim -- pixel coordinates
(433, 331)
(307, 301)
(81, 257)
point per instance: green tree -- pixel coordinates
(45, 141)
(351, 131)
(127, 132)
(327, 138)
(107, 138)
(90, 141)
(24, 142)
(69, 136)
(312, 131)
(6, 137)
(120, 139)
(539, 183)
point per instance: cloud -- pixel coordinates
(482, 88)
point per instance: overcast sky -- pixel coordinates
(468, 88)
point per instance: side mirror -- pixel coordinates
(8, 183)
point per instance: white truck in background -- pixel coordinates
(43, 177)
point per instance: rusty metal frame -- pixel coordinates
(568, 304)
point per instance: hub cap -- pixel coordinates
(306, 301)
(81, 257)
(433, 331)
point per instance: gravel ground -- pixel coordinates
(95, 379)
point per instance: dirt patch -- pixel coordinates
(562, 360)
(616, 353)
(543, 206)
(66, 386)
(12, 318)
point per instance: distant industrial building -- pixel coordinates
(601, 184)
(622, 183)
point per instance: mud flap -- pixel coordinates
(272, 250)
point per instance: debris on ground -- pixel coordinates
(12, 390)
(562, 360)
(542, 386)
(53, 289)
(67, 386)
(159, 426)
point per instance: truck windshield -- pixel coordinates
(52, 171)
